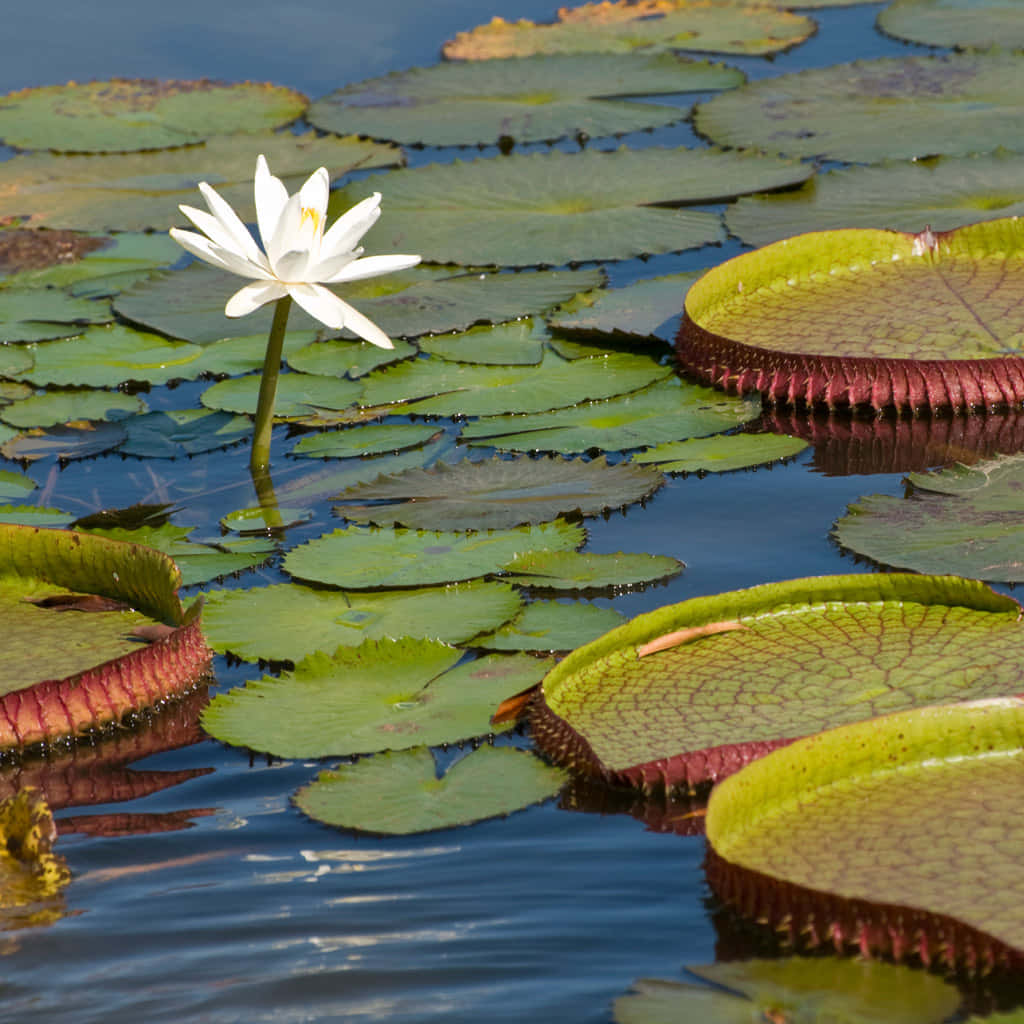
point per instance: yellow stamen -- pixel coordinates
(309, 213)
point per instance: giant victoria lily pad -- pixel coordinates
(72, 663)
(899, 835)
(692, 691)
(974, 24)
(867, 318)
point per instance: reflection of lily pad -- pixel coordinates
(545, 626)
(568, 207)
(497, 493)
(867, 318)
(721, 453)
(874, 110)
(736, 674)
(966, 24)
(529, 100)
(381, 695)
(122, 114)
(400, 793)
(881, 836)
(963, 520)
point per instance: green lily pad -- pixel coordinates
(722, 453)
(354, 442)
(520, 343)
(190, 304)
(64, 443)
(298, 394)
(171, 433)
(738, 673)
(574, 570)
(464, 389)
(497, 494)
(806, 990)
(867, 318)
(31, 314)
(380, 695)
(669, 410)
(871, 110)
(881, 835)
(56, 406)
(136, 191)
(15, 360)
(400, 793)
(285, 622)
(15, 485)
(548, 626)
(263, 520)
(965, 24)
(234, 356)
(942, 194)
(533, 99)
(341, 358)
(357, 557)
(963, 520)
(35, 515)
(640, 310)
(132, 114)
(650, 26)
(569, 207)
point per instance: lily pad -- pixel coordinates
(64, 443)
(692, 691)
(871, 110)
(965, 24)
(963, 520)
(15, 360)
(650, 26)
(31, 314)
(381, 695)
(57, 406)
(722, 453)
(286, 622)
(400, 793)
(136, 191)
(533, 99)
(806, 990)
(298, 394)
(131, 114)
(942, 194)
(35, 515)
(520, 343)
(171, 433)
(866, 318)
(357, 557)
(573, 570)
(497, 494)
(669, 410)
(569, 207)
(549, 626)
(15, 485)
(341, 358)
(880, 835)
(378, 439)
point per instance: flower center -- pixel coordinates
(313, 216)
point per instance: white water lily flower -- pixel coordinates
(298, 258)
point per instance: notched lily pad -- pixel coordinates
(401, 794)
(692, 691)
(720, 454)
(867, 318)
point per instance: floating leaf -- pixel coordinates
(640, 310)
(342, 358)
(648, 25)
(285, 622)
(265, 520)
(965, 24)
(551, 626)
(881, 835)
(873, 110)
(31, 314)
(400, 793)
(34, 515)
(720, 454)
(64, 442)
(381, 695)
(534, 99)
(942, 194)
(358, 557)
(15, 485)
(573, 570)
(15, 360)
(371, 440)
(809, 654)
(462, 389)
(56, 406)
(866, 318)
(298, 394)
(498, 493)
(171, 433)
(515, 344)
(568, 207)
(810, 990)
(136, 191)
(124, 114)
(669, 410)
(963, 520)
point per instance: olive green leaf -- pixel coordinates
(353, 442)
(965, 24)
(15, 485)
(56, 406)
(721, 453)
(520, 343)
(298, 394)
(574, 570)
(341, 358)
(549, 626)
(35, 515)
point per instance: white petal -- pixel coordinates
(287, 231)
(292, 266)
(271, 196)
(219, 235)
(325, 269)
(210, 252)
(365, 328)
(346, 231)
(372, 266)
(314, 193)
(320, 303)
(221, 209)
(252, 296)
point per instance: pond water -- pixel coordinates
(211, 898)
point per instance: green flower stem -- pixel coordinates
(260, 457)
